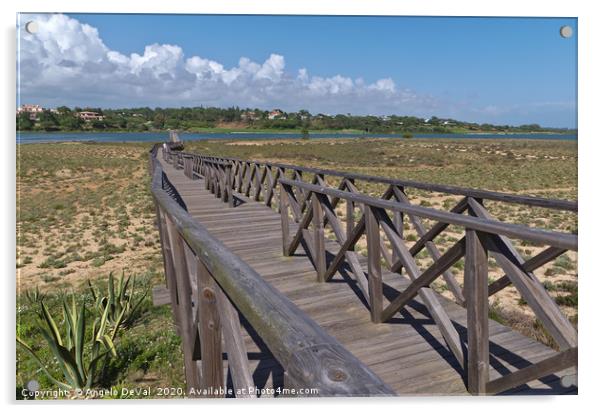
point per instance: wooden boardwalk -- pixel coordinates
(407, 352)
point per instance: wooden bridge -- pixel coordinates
(268, 291)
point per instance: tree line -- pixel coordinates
(202, 118)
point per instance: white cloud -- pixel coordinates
(66, 62)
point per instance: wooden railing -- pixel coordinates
(482, 237)
(310, 206)
(210, 287)
(259, 181)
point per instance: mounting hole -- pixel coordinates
(31, 27)
(566, 31)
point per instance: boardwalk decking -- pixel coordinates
(407, 352)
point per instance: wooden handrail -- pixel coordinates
(311, 358)
(556, 239)
(559, 204)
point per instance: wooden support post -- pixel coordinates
(241, 169)
(229, 184)
(268, 186)
(319, 247)
(249, 178)
(187, 326)
(170, 276)
(350, 210)
(477, 307)
(286, 240)
(238, 361)
(207, 175)
(224, 183)
(398, 222)
(257, 189)
(212, 376)
(375, 286)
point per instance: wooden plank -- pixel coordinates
(477, 307)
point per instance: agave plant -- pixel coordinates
(34, 296)
(119, 301)
(79, 358)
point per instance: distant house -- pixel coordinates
(89, 116)
(276, 114)
(33, 110)
(249, 115)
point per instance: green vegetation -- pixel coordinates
(78, 357)
(119, 303)
(88, 350)
(547, 167)
(202, 119)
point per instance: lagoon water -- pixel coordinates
(42, 137)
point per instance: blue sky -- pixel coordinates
(498, 70)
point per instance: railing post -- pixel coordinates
(229, 191)
(268, 179)
(241, 175)
(397, 220)
(375, 286)
(187, 166)
(170, 277)
(350, 222)
(280, 173)
(477, 307)
(188, 328)
(238, 361)
(257, 192)
(212, 376)
(319, 247)
(223, 187)
(286, 240)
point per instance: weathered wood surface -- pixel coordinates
(408, 352)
